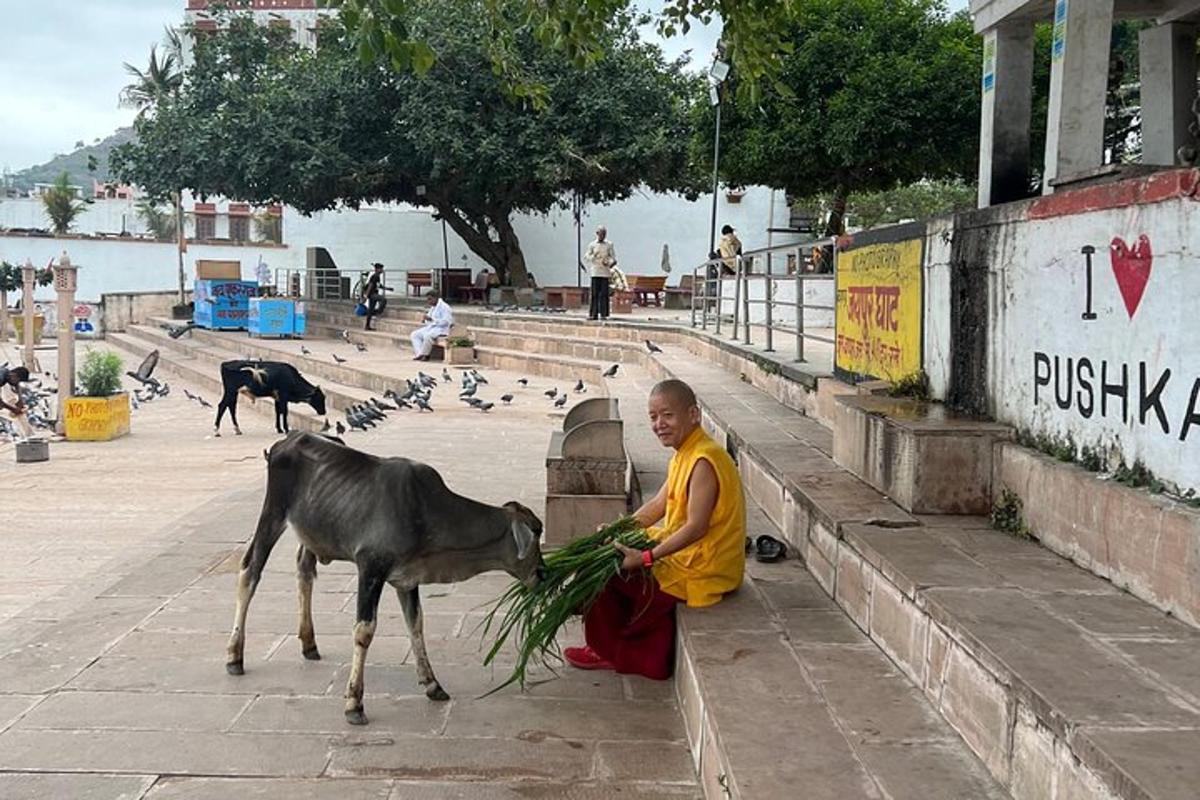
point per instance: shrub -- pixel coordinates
(460, 341)
(1007, 516)
(100, 374)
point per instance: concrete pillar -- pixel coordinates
(64, 284)
(1167, 54)
(1007, 88)
(1078, 82)
(28, 275)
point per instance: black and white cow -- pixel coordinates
(275, 379)
(397, 521)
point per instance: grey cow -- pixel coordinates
(397, 521)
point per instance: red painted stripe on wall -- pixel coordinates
(1167, 185)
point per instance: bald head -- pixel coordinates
(674, 413)
(677, 392)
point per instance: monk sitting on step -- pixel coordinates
(698, 558)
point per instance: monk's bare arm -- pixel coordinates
(702, 499)
(653, 509)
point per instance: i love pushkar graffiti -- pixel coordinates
(1100, 388)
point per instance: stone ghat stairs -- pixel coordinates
(1060, 684)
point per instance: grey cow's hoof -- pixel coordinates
(235, 668)
(436, 692)
(312, 654)
(356, 716)
(216, 434)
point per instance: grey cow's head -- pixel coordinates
(527, 534)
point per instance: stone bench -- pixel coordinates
(587, 471)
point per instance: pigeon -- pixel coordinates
(445, 375)
(345, 334)
(163, 390)
(478, 378)
(474, 402)
(133, 401)
(338, 359)
(611, 372)
(485, 406)
(304, 351)
(469, 391)
(145, 370)
(402, 403)
(652, 347)
(175, 331)
(550, 393)
(188, 395)
(561, 401)
(423, 405)
(360, 347)
(523, 381)
(390, 394)
(325, 428)
(340, 428)
(203, 403)
(579, 386)
(382, 406)
(506, 398)
(358, 422)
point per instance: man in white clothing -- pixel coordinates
(600, 258)
(438, 321)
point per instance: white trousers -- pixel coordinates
(423, 339)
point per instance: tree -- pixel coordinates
(918, 200)
(263, 121)
(61, 204)
(161, 224)
(879, 93)
(382, 31)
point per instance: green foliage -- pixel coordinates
(268, 227)
(767, 365)
(10, 277)
(262, 120)
(1059, 447)
(162, 78)
(1007, 515)
(460, 341)
(159, 222)
(914, 385)
(100, 374)
(383, 32)
(879, 93)
(61, 204)
(1139, 476)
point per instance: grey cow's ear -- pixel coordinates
(525, 538)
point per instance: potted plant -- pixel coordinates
(102, 413)
(460, 350)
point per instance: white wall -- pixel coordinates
(1037, 297)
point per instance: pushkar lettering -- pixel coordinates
(1113, 390)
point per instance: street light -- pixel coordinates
(718, 72)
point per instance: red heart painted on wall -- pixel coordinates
(1131, 267)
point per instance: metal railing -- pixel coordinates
(330, 283)
(710, 279)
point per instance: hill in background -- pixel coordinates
(75, 164)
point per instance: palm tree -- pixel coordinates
(61, 204)
(161, 80)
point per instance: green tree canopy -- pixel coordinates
(879, 92)
(61, 204)
(263, 121)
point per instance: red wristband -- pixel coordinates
(647, 558)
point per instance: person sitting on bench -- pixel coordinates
(438, 321)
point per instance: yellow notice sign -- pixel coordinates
(879, 310)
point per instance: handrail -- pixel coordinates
(707, 293)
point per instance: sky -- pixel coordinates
(61, 68)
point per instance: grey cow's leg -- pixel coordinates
(271, 523)
(410, 601)
(370, 587)
(306, 573)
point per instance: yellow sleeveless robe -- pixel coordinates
(701, 573)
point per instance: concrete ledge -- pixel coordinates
(569, 516)
(927, 460)
(1144, 543)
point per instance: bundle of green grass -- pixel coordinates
(573, 578)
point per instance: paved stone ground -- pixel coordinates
(118, 588)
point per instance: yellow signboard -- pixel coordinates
(97, 419)
(879, 310)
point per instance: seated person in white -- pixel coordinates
(438, 321)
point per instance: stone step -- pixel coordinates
(1063, 686)
(557, 368)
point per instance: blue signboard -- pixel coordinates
(223, 305)
(1060, 30)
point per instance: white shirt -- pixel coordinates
(600, 257)
(439, 318)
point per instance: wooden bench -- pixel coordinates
(679, 296)
(418, 280)
(645, 287)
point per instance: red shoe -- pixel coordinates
(585, 658)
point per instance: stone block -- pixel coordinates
(762, 488)
(22, 786)
(853, 587)
(977, 706)
(938, 644)
(825, 540)
(927, 460)
(900, 628)
(687, 689)
(1033, 759)
(586, 476)
(822, 569)
(714, 773)
(569, 516)
(796, 522)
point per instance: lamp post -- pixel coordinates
(718, 72)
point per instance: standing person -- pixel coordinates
(699, 556)
(438, 321)
(373, 294)
(730, 247)
(10, 397)
(600, 257)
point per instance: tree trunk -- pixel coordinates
(837, 212)
(515, 273)
(180, 243)
(504, 256)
